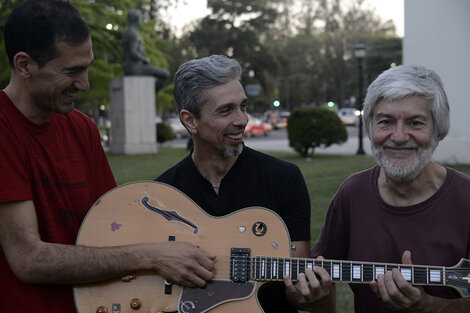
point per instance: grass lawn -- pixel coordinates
(323, 175)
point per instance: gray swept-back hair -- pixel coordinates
(410, 80)
(195, 76)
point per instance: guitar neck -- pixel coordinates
(274, 269)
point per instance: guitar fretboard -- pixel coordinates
(272, 269)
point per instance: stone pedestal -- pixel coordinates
(132, 106)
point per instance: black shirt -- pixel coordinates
(256, 179)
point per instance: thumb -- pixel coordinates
(406, 257)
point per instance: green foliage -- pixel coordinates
(5, 66)
(164, 133)
(165, 99)
(107, 44)
(311, 127)
(240, 27)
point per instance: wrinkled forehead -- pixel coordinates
(405, 107)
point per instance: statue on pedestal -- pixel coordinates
(135, 63)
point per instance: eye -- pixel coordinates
(243, 106)
(384, 122)
(225, 110)
(416, 123)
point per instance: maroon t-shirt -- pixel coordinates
(61, 166)
(360, 226)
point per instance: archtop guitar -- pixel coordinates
(252, 248)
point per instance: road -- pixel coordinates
(277, 141)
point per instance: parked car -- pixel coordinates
(348, 116)
(279, 119)
(256, 127)
(177, 127)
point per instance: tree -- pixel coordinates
(107, 20)
(322, 49)
(240, 27)
(312, 127)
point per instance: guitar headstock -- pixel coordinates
(458, 277)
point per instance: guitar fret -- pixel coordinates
(407, 273)
(269, 262)
(326, 265)
(263, 268)
(274, 269)
(346, 272)
(302, 265)
(435, 276)
(295, 267)
(309, 265)
(420, 275)
(335, 273)
(287, 268)
(368, 272)
(254, 272)
(281, 268)
(379, 270)
(356, 272)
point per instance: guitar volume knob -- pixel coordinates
(136, 304)
(101, 309)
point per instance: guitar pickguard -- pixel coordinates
(199, 300)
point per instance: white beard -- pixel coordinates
(408, 172)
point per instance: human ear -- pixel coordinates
(23, 62)
(189, 121)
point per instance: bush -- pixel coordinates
(311, 127)
(164, 133)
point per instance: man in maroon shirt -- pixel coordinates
(407, 207)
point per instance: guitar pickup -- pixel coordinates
(240, 265)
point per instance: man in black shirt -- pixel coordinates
(222, 175)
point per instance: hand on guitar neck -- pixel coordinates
(400, 295)
(313, 289)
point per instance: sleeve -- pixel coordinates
(333, 242)
(296, 206)
(15, 182)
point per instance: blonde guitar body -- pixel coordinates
(154, 212)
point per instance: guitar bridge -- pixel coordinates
(240, 265)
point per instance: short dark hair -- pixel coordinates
(36, 26)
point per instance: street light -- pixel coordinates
(360, 54)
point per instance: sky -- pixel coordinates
(194, 9)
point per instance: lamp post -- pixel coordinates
(360, 53)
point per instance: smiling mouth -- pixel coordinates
(235, 137)
(69, 98)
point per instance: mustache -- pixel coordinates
(406, 145)
(235, 129)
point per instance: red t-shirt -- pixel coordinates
(61, 166)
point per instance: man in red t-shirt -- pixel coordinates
(53, 169)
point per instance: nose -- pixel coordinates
(399, 134)
(241, 118)
(81, 83)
